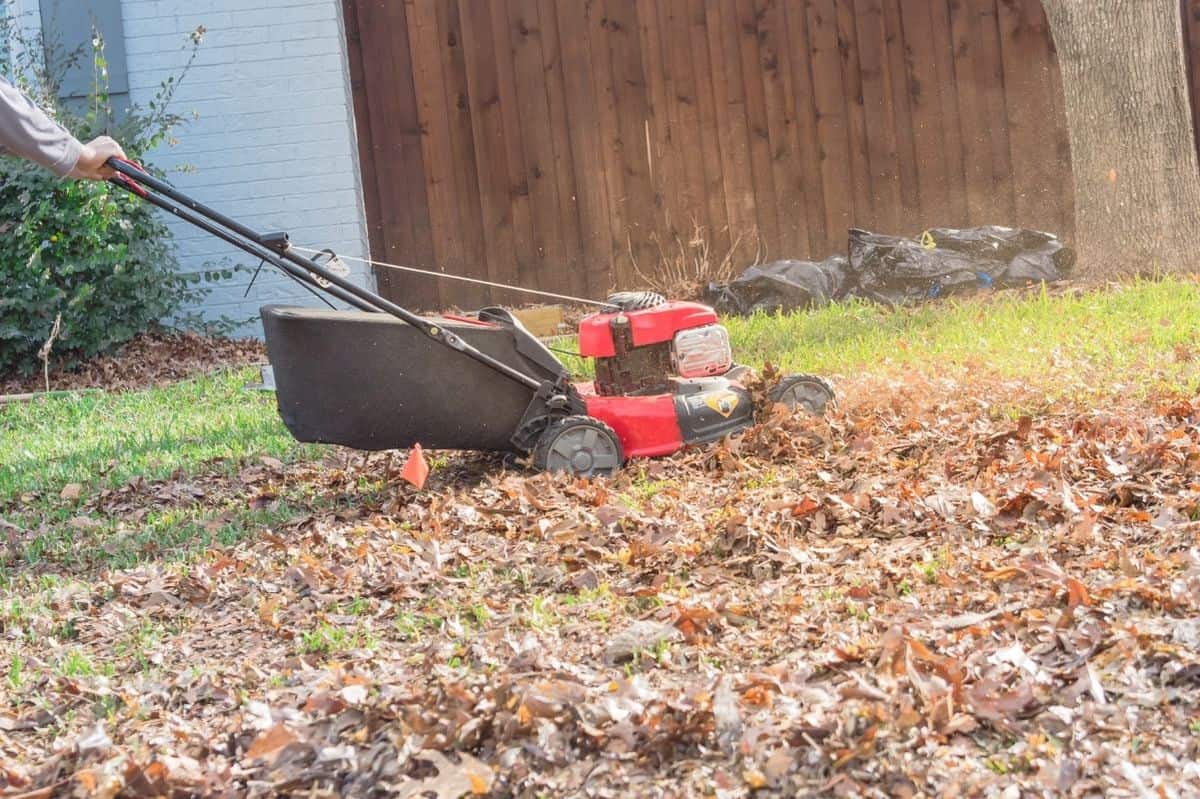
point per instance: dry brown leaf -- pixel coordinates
(270, 743)
(453, 780)
(1077, 594)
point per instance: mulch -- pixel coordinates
(150, 359)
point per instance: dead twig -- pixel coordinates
(44, 352)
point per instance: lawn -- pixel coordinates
(978, 571)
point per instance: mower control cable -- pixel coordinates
(464, 279)
(133, 178)
(130, 177)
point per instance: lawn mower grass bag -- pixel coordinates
(370, 381)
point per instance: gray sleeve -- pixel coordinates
(26, 131)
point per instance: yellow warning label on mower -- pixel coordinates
(724, 403)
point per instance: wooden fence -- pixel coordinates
(567, 144)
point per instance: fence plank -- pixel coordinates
(362, 111)
(633, 115)
(906, 134)
(487, 135)
(1190, 9)
(804, 111)
(573, 278)
(535, 137)
(989, 71)
(435, 138)
(949, 117)
(974, 122)
(587, 148)
(723, 59)
(933, 174)
(879, 115)
(526, 272)
(720, 214)
(856, 122)
(749, 79)
(609, 122)
(830, 109)
(688, 195)
(661, 154)
(1038, 180)
(478, 261)
(782, 130)
(396, 132)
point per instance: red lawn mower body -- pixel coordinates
(642, 393)
(370, 382)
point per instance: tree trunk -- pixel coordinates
(1133, 151)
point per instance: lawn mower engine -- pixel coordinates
(664, 378)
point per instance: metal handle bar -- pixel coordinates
(133, 178)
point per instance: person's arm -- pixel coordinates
(26, 131)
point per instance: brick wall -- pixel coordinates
(272, 143)
(26, 14)
(6, 8)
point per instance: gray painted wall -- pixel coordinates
(272, 142)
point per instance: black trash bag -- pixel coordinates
(781, 286)
(1017, 256)
(896, 270)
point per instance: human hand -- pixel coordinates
(91, 164)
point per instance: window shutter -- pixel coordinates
(67, 30)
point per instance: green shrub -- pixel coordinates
(88, 251)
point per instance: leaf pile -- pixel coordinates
(925, 593)
(149, 359)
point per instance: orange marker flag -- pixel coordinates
(416, 470)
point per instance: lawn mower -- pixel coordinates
(379, 376)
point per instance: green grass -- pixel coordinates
(329, 639)
(1130, 331)
(1124, 334)
(103, 440)
(209, 425)
(119, 544)
(1126, 340)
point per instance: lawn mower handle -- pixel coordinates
(133, 178)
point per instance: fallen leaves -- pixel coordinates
(638, 638)
(149, 359)
(913, 596)
(267, 745)
(453, 781)
(727, 717)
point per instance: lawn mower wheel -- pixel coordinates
(581, 445)
(809, 392)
